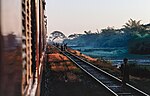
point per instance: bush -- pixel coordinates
(137, 70)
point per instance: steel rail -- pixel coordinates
(111, 83)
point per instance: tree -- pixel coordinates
(133, 26)
(109, 31)
(73, 36)
(57, 34)
(87, 32)
(139, 42)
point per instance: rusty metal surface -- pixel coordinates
(21, 65)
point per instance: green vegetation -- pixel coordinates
(77, 71)
(133, 35)
(139, 71)
(140, 41)
(140, 45)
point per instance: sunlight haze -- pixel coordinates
(77, 16)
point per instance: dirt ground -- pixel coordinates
(85, 87)
(140, 83)
(63, 78)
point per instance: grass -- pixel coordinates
(139, 71)
(101, 63)
(139, 74)
(66, 79)
(140, 82)
(135, 70)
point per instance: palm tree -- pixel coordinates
(109, 31)
(133, 26)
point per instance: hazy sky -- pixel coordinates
(76, 16)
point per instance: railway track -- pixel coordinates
(110, 82)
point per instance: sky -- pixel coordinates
(77, 16)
